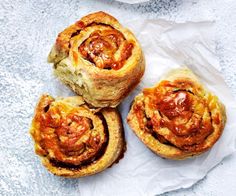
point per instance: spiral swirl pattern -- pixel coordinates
(180, 114)
(102, 48)
(70, 135)
(99, 59)
(96, 41)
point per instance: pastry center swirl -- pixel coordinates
(174, 104)
(107, 49)
(70, 137)
(70, 132)
(175, 115)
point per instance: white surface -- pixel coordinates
(133, 1)
(26, 35)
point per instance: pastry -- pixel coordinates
(99, 59)
(179, 117)
(74, 140)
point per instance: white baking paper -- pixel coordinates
(167, 45)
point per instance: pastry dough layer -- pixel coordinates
(178, 118)
(74, 140)
(99, 59)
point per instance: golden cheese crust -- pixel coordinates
(178, 118)
(74, 140)
(99, 59)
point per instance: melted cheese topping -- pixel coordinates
(65, 135)
(177, 114)
(102, 47)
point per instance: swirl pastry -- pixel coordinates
(177, 118)
(74, 140)
(99, 59)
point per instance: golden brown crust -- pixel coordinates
(178, 118)
(74, 140)
(99, 59)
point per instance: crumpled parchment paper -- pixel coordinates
(167, 45)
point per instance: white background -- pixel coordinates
(26, 36)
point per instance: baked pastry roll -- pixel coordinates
(74, 140)
(99, 59)
(178, 118)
